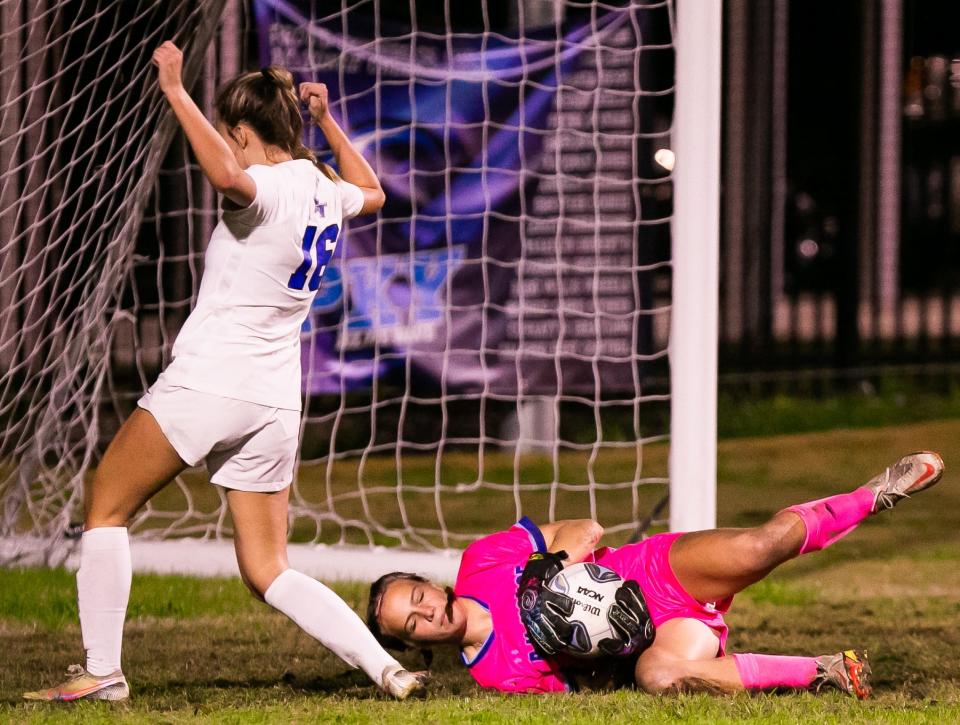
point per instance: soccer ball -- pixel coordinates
(592, 588)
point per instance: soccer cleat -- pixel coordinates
(910, 475)
(848, 671)
(402, 683)
(81, 685)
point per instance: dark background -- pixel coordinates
(800, 304)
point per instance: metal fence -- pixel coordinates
(841, 191)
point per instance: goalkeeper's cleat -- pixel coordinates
(401, 683)
(910, 475)
(81, 685)
(848, 671)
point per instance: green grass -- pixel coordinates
(781, 594)
(204, 650)
(46, 598)
(332, 506)
(890, 404)
(475, 512)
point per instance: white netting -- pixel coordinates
(83, 133)
(493, 344)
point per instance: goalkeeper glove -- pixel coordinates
(630, 620)
(548, 634)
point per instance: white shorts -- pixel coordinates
(246, 446)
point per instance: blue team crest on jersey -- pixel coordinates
(320, 208)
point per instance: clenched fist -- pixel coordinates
(314, 95)
(169, 62)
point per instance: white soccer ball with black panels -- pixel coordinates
(592, 588)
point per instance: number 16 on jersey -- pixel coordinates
(316, 256)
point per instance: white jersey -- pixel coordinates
(261, 270)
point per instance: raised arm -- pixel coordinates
(216, 159)
(353, 167)
(577, 537)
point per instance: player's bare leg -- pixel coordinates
(714, 565)
(683, 659)
(259, 536)
(260, 539)
(138, 462)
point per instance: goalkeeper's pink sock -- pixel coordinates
(323, 615)
(103, 588)
(760, 672)
(830, 519)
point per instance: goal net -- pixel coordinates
(493, 344)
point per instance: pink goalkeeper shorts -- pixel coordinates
(648, 563)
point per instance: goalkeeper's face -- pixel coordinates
(422, 613)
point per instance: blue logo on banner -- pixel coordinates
(394, 299)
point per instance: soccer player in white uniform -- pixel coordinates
(231, 395)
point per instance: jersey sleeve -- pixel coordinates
(352, 198)
(266, 203)
(512, 546)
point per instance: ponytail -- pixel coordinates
(267, 101)
(302, 152)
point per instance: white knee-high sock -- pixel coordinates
(327, 618)
(103, 588)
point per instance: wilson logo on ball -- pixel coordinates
(592, 588)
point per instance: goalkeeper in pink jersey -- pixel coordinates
(668, 615)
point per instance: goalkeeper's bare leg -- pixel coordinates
(683, 659)
(714, 565)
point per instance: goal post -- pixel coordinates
(696, 277)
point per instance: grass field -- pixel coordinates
(204, 650)
(331, 506)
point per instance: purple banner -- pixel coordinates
(498, 264)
